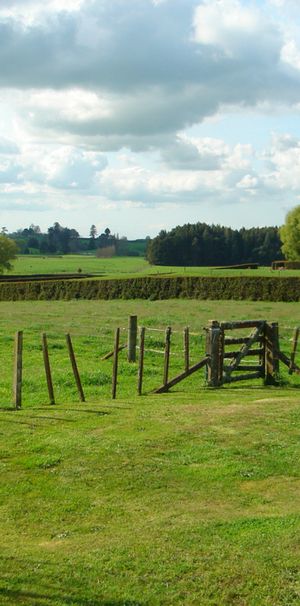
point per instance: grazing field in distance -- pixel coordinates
(126, 267)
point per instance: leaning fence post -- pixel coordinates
(294, 349)
(186, 344)
(132, 338)
(141, 360)
(17, 378)
(47, 369)
(167, 354)
(75, 368)
(271, 353)
(214, 340)
(115, 364)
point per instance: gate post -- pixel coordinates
(271, 338)
(214, 352)
(132, 338)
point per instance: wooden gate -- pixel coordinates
(228, 364)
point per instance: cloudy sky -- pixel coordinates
(145, 114)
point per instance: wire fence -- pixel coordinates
(95, 373)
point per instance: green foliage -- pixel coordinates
(150, 287)
(202, 244)
(8, 252)
(290, 235)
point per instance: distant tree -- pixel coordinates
(290, 235)
(62, 239)
(33, 242)
(93, 232)
(106, 239)
(44, 247)
(35, 228)
(202, 244)
(8, 252)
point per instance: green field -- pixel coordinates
(125, 267)
(187, 498)
(92, 325)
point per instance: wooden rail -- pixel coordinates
(183, 375)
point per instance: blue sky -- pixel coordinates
(145, 114)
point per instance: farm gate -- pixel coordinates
(234, 358)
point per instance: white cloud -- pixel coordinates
(110, 75)
(284, 160)
(86, 77)
(194, 154)
(228, 24)
(290, 54)
(28, 12)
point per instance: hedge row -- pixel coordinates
(238, 288)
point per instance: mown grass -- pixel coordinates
(126, 267)
(181, 499)
(187, 498)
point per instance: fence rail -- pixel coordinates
(226, 357)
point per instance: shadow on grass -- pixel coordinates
(101, 413)
(31, 597)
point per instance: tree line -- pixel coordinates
(59, 240)
(213, 245)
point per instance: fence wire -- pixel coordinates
(96, 375)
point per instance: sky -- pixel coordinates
(140, 115)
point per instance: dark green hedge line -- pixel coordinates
(238, 288)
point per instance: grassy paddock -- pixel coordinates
(92, 325)
(182, 499)
(187, 498)
(126, 267)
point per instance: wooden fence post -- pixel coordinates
(214, 351)
(75, 368)
(47, 369)
(271, 353)
(18, 366)
(294, 349)
(132, 338)
(141, 360)
(186, 343)
(167, 354)
(115, 364)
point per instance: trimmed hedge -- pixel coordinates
(193, 287)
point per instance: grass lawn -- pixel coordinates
(126, 267)
(181, 499)
(188, 498)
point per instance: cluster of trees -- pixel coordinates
(211, 245)
(191, 244)
(59, 240)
